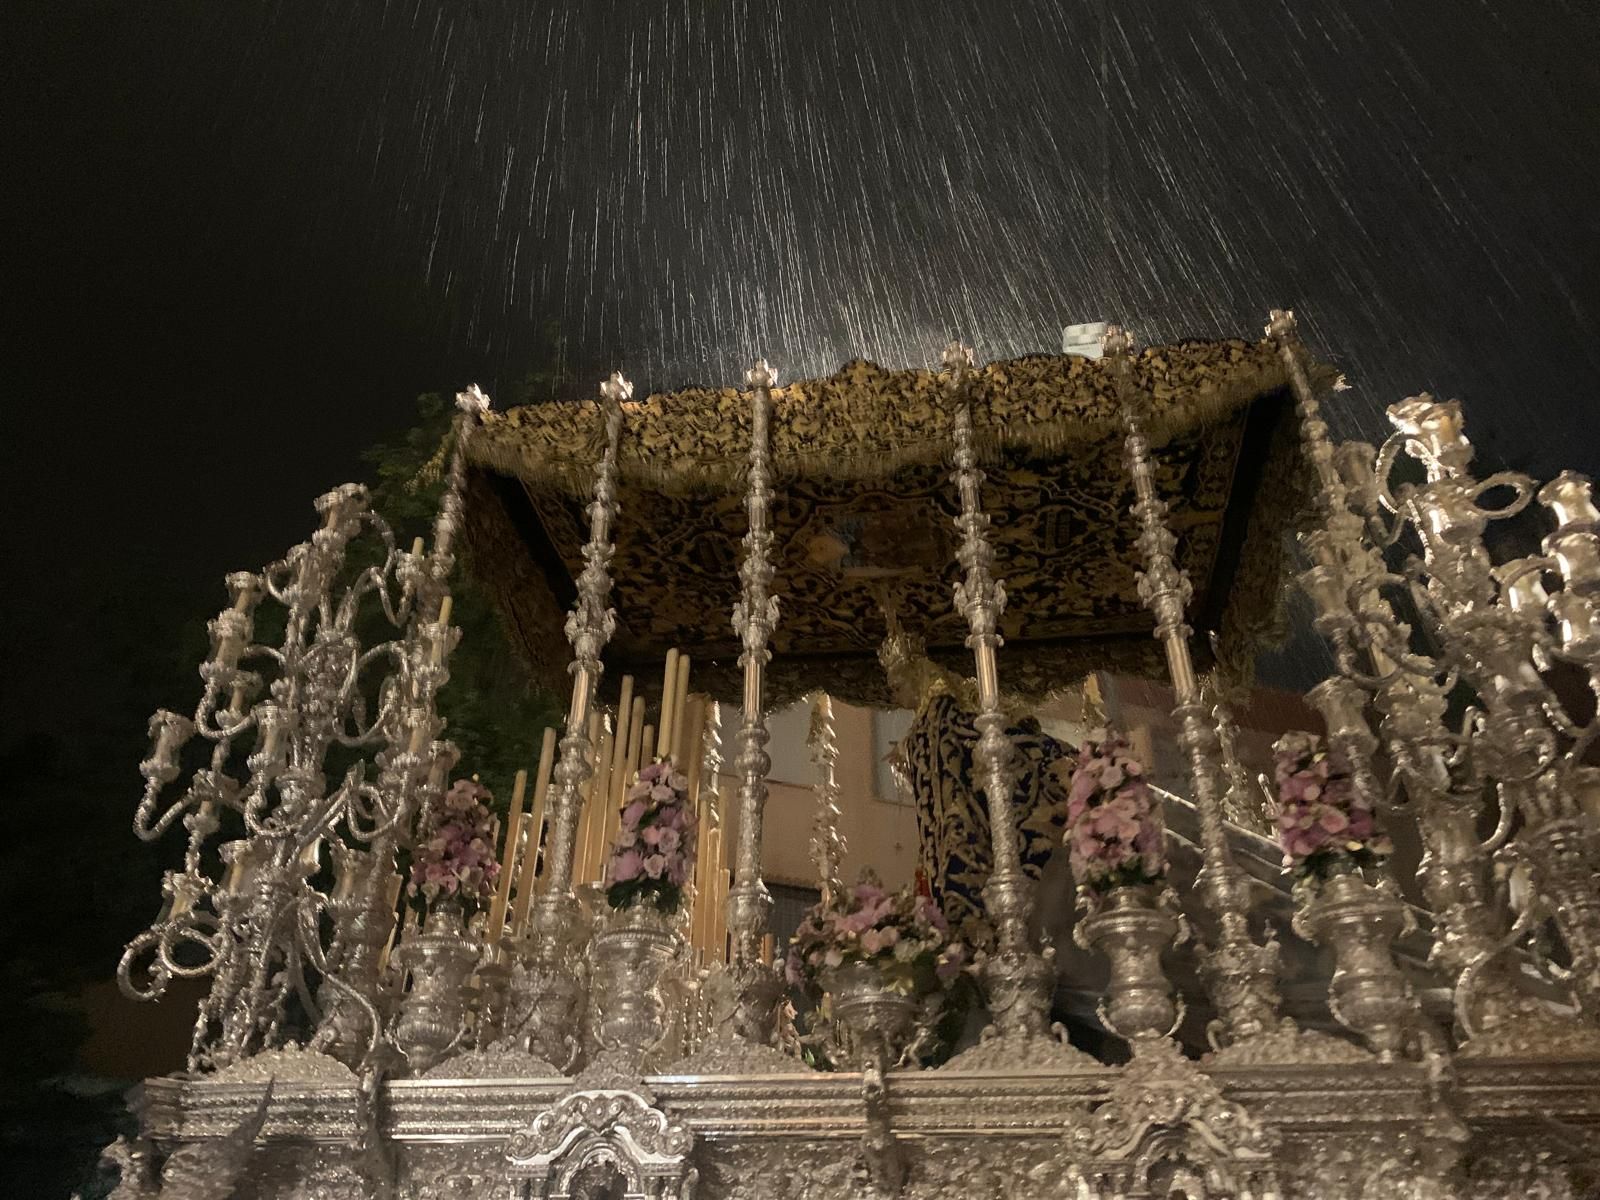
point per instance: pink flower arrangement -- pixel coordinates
(1322, 821)
(653, 854)
(902, 933)
(1114, 830)
(454, 857)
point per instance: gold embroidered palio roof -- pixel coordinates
(864, 508)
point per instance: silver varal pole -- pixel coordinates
(1240, 973)
(553, 1008)
(827, 843)
(755, 614)
(1018, 979)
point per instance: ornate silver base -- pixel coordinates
(1319, 1131)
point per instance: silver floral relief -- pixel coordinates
(954, 1169)
(780, 1169)
(317, 1173)
(1389, 1165)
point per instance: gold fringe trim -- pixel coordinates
(865, 422)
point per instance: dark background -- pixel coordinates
(240, 238)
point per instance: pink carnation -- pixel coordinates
(1319, 813)
(1113, 828)
(653, 848)
(626, 866)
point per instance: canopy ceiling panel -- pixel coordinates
(863, 517)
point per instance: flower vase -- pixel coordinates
(1131, 927)
(631, 952)
(1368, 994)
(431, 1022)
(879, 1019)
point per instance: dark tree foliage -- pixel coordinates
(79, 886)
(493, 713)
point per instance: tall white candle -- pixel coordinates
(508, 860)
(669, 690)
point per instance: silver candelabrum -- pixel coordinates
(289, 956)
(1417, 609)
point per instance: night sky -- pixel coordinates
(241, 237)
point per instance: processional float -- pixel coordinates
(614, 1020)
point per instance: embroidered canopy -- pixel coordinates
(863, 517)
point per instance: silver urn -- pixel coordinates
(631, 953)
(1131, 926)
(1368, 994)
(436, 964)
(878, 1019)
